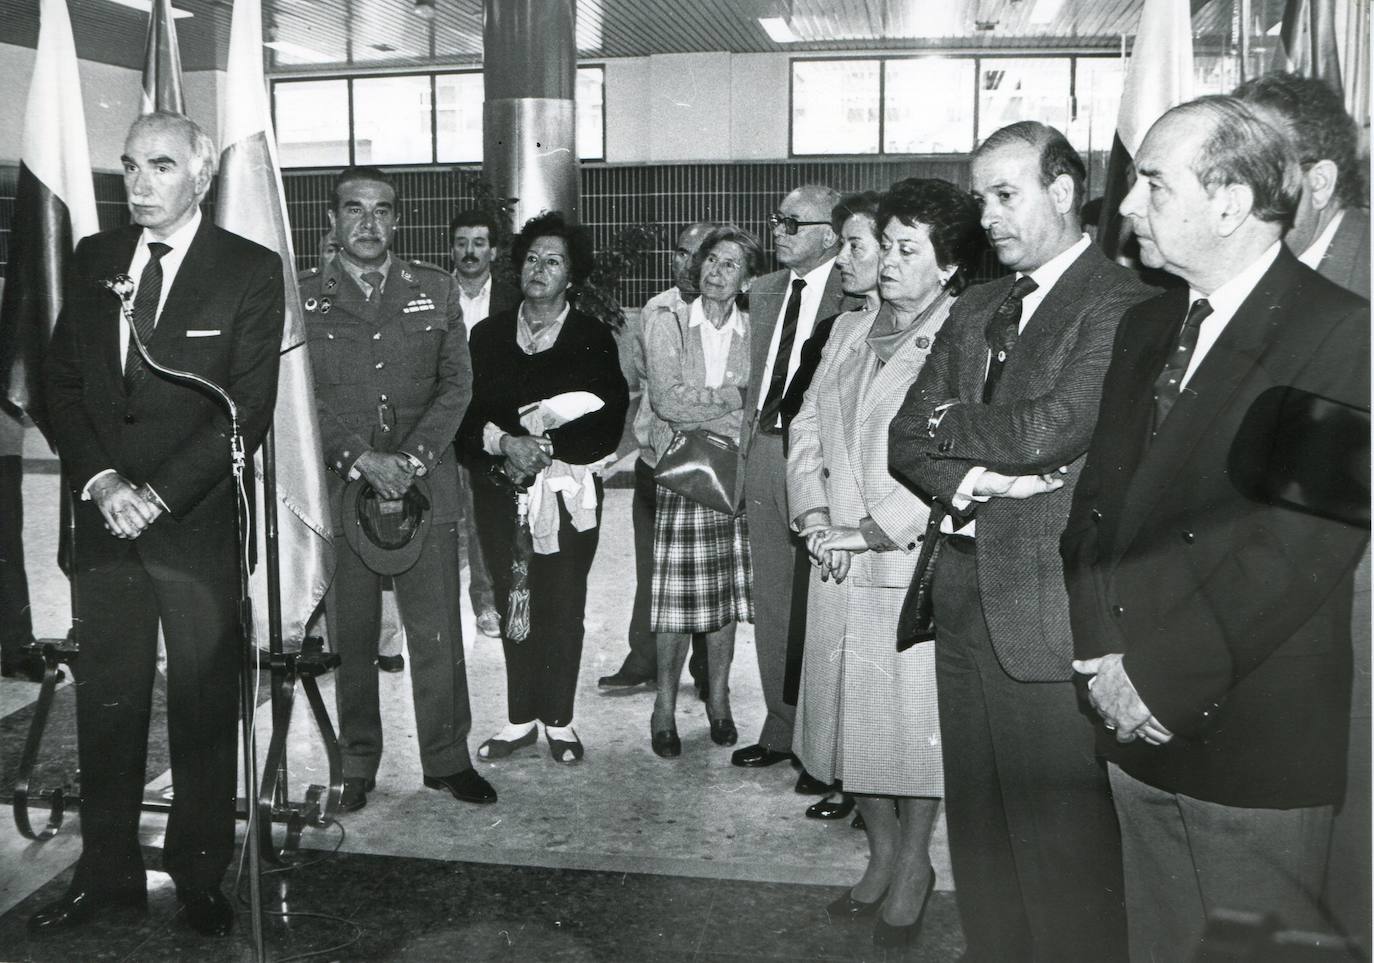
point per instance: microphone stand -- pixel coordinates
(123, 287)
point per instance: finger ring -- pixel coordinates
(1110, 727)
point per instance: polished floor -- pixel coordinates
(626, 857)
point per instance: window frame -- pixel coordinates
(433, 75)
(975, 119)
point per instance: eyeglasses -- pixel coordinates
(789, 224)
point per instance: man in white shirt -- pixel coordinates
(1011, 389)
(1211, 613)
(783, 308)
(473, 236)
(1330, 234)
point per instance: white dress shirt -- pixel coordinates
(1225, 301)
(715, 342)
(1312, 257)
(811, 297)
(475, 308)
(178, 241)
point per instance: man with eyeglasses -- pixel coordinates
(784, 307)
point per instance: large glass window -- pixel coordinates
(591, 113)
(1022, 88)
(408, 119)
(1098, 84)
(928, 106)
(459, 129)
(835, 106)
(312, 122)
(392, 120)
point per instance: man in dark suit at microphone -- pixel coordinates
(149, 463)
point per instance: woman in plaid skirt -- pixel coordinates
(698, 361)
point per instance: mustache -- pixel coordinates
(468, 259)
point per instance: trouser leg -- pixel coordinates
(203, 666)
(643, 657)
(428, 595)
(116, 623)
(354, 604)
(479, 580)
(772, 546)
(16, 621)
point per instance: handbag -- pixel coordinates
(703, 466)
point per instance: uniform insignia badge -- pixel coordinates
(423, 303)
(1001, 357)
(407, 275)
(325, 305)
(329, 285)
(311, 304)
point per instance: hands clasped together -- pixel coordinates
(833, 547)
(128, 509)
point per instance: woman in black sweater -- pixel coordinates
(548, 409)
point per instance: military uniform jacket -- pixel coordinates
(394, 376)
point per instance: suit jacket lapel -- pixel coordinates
(187, 293)
(111, 316)
(1209, 392)
(974, 341)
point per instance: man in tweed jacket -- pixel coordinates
(1033, 837)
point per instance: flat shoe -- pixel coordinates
(495, 748)
(391, 663)
(489, 624)
(723, 732)
(831, 808)
(354, 795)
(76, 908)
(756, 756)
(566, 752)
(666, 744)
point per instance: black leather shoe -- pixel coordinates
(831, 808)
(466, 786)
(847, 908)
(622, 680)
(354, 795)
(666, 744)
(78, 907)
(809, 785)
(566, 751)
(723, 732)
(391, 663)
(757, 756)
(207, 910)
(29, 668)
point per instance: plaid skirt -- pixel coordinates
(701, 567)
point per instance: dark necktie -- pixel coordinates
(145, 314)
(374, 281)
(1169, 384)
(1004, 327)
(777, 384)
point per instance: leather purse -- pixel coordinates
(703, 466)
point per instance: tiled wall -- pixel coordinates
(613, 197)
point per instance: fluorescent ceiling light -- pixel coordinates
(147, 7)
(778, 30)
(298, 52)
(1045, 11)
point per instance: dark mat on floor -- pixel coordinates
(392, 908)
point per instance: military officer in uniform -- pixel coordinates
(392, 381)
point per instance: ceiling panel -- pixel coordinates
(366, 34)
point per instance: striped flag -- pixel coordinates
(162, 62)
(251, 203)
(1307, 41)
(1159, 76)
(54, 207)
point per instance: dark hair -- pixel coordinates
(1057, 155)
(865, 203)
(581, 258)
(1241, 148)
(950, 213)
(359, 173)
(753, 250)
(475, 217)
(1314, 118)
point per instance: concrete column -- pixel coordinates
(529, 146)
